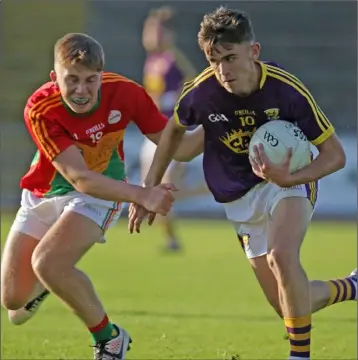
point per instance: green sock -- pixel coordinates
(104, 331)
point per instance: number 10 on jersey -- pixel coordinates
(247, 120)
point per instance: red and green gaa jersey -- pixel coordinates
(98, 135)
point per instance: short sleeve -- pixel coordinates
(309, 117)
(50, 138)
(184, 110)
(147, 117)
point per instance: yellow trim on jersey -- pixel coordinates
(208, 72)
(176, 118)
(313, 195)
(325, 126)
(263, 73)
(295, 80)
(199, 79)
(302, 86)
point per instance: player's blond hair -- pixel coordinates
(76, 48)
(225, 26)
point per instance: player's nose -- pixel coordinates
(223, 70)
(81, 89)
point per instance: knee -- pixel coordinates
(282, 261)
(43, 265)
(11, 300)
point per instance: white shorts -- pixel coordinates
(37, 215)
(252, 213)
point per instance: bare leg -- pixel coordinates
(18, 281)
(290, 220)
(54, 262)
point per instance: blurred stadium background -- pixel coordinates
(317, 41)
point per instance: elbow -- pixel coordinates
(337, 159)
(183, 158)
(340, 156)
(81, 183)
(341, 160)
(187, 155)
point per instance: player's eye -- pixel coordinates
(72, 80)
(230, 58)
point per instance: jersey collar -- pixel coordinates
(263, 73)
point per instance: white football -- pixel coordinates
(277, 136)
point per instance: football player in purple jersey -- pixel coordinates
(269, 207)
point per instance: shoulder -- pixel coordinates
(287, 85)
(43, 99)
(199, 85)
(118, 80)
(119, 84)
(283, 78)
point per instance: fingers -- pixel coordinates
(288, 156)
(257, 157)
(263, 158)
(151, 218)
(136, 215)
(259, 162)
(131, 217)
(138, 223)
(256, 168)
(254, 165)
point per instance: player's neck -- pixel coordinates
(252, 82)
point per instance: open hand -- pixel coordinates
(157, 199)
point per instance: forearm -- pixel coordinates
(325, 163)
(192, 145)
(102, 187)
(168, 145)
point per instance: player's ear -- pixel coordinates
(255, 48)
(53, 76)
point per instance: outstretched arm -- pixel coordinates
(190, 146)
(169, 143)
(71, 165)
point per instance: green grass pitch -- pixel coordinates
(201, 304)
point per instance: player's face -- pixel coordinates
(79, 86)
(234, 65)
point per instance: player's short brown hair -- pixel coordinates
(76, 48)
(225, 26)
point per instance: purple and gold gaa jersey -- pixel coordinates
(230, 121)
(163, 78)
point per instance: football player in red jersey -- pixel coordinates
(76, 184)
